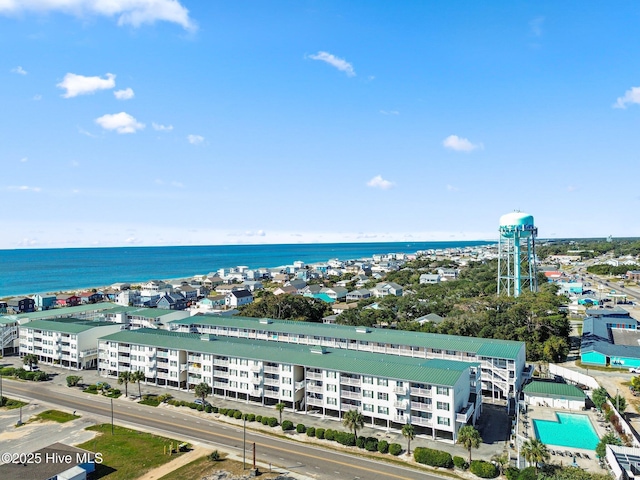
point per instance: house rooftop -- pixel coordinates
(66, 325)
(434, 371)
(480, 346)
(553, 389)
(65, 312)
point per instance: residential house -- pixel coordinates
(335, 293)
(44, 301)
(252, 285)
(290, 290)
(188, 292)
(428, 278)
(357, 295)
(386, 288)
(448, 273)
(172, 301)
(297, 283)
(338, 308)
(280, 278)
(227, 289)
(67, 300)
(90, 297)
(238, 298)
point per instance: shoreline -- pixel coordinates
(448, 250)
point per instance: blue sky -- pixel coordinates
(163, 122)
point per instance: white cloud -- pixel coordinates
(195, 139)
(120, 122)
(379, 182)
(460, 144)
(162, 128)
(24, 159)
(631, 96)
(177, 184)
(80, 85)
(126, 94)
(451, 188)
(572, 188)
(389, 112)
(19, 70)
(128, 12)
(23, 188)
(536, 26)
(336, 62)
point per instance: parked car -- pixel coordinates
(33, 368)
(198, 401)
(634, 370)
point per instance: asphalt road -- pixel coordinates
(303, 459)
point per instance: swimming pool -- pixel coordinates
(571, 430)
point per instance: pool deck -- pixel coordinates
(526, 430)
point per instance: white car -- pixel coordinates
(634, 370)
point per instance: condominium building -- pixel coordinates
(503, 362)
(436, 396)
(67, 342)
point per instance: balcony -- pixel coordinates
(400, 419)
(350, 381)
(256, 368)
(197, 370)
(222, 385)
(163, 375)
(270, 369)
(350, 394)
(183, 367)
(299, 385)
(315, 401)
(314, 388)
(466, 413)
(220, 361)
(314, 376)
(400, 404)
(163, 354)
(422, 407)
(272, 381)
(124, 349)
(427, 422)
(422, 392)
(220, 373)
(345, 407)
(400, 390)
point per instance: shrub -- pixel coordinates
(311, 432)
(528, 473)
(214, 409)
(251, 417)
(300, 428)
(223, 411)
(483, 469)
(91, 388)
(383, 446)
(237, 415)
(165, 397)
(511, 473)
(329, 434)
(231, 412)
(320, 433)
(214, 456)
(208, 409)
(371, 444)
(287, 425)
(460, 463)
(360, 442)
(73, 380)
(265, 420)
(395, 449)
(8, 371)
(273, 422)
(259, 418)
(345, 438)
(434, 458)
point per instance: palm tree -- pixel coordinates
(30, 359)
(501, 460)
(202, 390)
(469, 438)
(125, 377)
(353, 419)
(408, 432)
(534, 451)
(137, 377)
(280, 407)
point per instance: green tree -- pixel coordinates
(280, 408)
(469, 438)
(408, 432)
(502, 461)
(353, 420)
(620, 403)
(124, 378)
(635, 383)
(608, 439)
(534, 451)
(599, 397)
(202, 390)
(73, 380)
(137, 377)
(30, 359)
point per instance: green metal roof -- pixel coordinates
(554, 389)
(433, 372)
(66, 325)
(486, 347)
(64, 312)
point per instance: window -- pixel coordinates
(286, 393)
(383, 410)
(442, 391)
(286, 368)
(233, 373)
(331, 388)
(332, 401)
(451, 352)
(368, 380)
(244, 374)
(331, 375)
(367, 393)
(173, 363)
(244, 361)
(436, 350)
(383, 396)
(383, 382)
(399, 383)
(444, 421)
(287, 380)
(442, 406)
(366, 407)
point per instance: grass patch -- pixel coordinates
(54, 416)
(151, 400)
(204, 466)
(10, 403)
(601, 369)
(128, 453)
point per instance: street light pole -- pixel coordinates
(244, 441)
(112, 416)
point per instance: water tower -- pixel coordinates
(517, 254)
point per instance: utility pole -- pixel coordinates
(112, 416)
(244, 441)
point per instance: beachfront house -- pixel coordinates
(44, 301)
(238, 298)
(21, 305)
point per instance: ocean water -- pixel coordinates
(49, 270)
